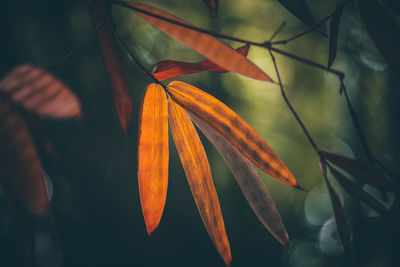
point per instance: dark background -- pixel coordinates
(95, 194)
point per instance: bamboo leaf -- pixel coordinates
(39, 92)
(21, 177)
(233, 128)
(367, 173)
(99, 14)
(340, 215)
(204, 44)
(299, 9)
(333, 34)
(153, 155)
(383, 30)
(356, 192)
(213, 6)
(198, 173)
(250, 183)
(169, 69)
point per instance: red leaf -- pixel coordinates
(367, 173)
(169, 69)
(251, 184)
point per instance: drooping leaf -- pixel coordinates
(383, 30)
(213, 6)
(39, 92)
(369, 174)
(249, 181)
(340, 215)
(169, 69)
(299, 9)
(21, 172)
(206, 45)
(233, 128)
(333, 34)
(153, 155)
(195, 163)
(356, 192)
(112, 61)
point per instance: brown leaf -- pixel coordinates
(213, 6)
(367, 173)
(204, 44)
(333, 34)
(233, 128)
(22, 176)
(340, 216)
(251, 184)
(169, 69)
(39, 92)
(356, 192)
(112, 60)
(153, 155)
(383, 30)
(198, 173)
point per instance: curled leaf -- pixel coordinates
(213, 6)
(195, 163)
(250, 183)
(169, 69)
(333, 34)
(383, 30)
(153, 155)
(340, 215)
(21, 173)
(356, 192)
(204, 44)
(39, 92)
(233, 128)
(369, 174)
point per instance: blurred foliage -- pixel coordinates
(95, 194)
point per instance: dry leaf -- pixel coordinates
(213, 6)
(367, 173)
(169, 69)
(39, 92)
(153, 155)
(206, 45)
(251, 184)
(195, 163)
(233, 128)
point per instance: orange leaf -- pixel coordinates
(39, 92)
(169, 69)
(367, 173)
(153, 155)
(198, 173)
(233, 128)
(21, 172)
(206, 45)
(251, 184)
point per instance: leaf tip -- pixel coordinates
(300, 188)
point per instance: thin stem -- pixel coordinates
(78, 45)
(310, 139)
(280, 28)
(141, 66)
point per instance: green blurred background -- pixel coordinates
(95, 193)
